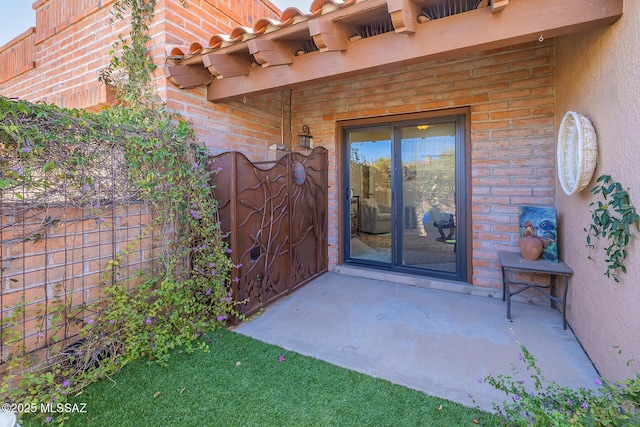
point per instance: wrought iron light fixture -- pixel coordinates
(305, 140)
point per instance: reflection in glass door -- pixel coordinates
(428, 183)
(406, 196)
(370, 195)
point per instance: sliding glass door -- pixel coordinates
(370, 195)
(428, 185)
(406, 197)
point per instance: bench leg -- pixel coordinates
(552, 291)
(504, 284)
(564, 304)
(507, 291)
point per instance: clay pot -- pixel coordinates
(530, 248)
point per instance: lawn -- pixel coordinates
(244, 382)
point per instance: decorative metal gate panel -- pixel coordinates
(277, 223)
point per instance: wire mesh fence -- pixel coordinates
(62, 242)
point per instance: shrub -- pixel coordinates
(550, 404)
(49, 151)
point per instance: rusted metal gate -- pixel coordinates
(277, 223)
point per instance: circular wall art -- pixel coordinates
(299, 174)
(577, 152)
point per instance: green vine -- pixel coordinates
(131, 69)
(50, 154)
(612, 219)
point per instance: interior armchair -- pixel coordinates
(375, 218)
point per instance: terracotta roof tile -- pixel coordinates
(195, 48)
(266, 25)
(292, 15)
(320, 7)
(241, 34)
(219, 40)
(177, 50)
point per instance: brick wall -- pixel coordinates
(66, 262)
(510, 93)
(59, 61)
(204, 18)
(71, 44)
(250, 125)
(511, 96)
(18, 56)
(53, 16)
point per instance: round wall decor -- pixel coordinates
(577, 152)
(299, 174)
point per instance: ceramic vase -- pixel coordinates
(530, 248)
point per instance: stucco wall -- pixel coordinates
(598, 75)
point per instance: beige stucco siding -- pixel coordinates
(598, 75)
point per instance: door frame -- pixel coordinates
(463, 184)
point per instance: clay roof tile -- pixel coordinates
(219, 40)
(292, 15)
(266, 25)
(177, 50)
(195, 48)
(240, 34)
(320, 7)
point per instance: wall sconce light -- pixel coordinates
(304, 139)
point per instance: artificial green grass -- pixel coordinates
(242, 382)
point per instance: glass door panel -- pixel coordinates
(428, 186)
(405, 196)
(370, 195)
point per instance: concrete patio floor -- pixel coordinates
(440, 341)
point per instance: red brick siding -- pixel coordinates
(510, 93)
(74, 50)
(53, 16)
(69, 51)
(73, 38)
(18, 56)
(250, 125)
(68, 262)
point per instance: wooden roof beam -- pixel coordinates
(269, 52)
(475, 31)
(187, 76)
(223, 65)
(404, 15)
(328, 36)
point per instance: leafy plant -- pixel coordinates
(130, 71)
(135, 151)
(545, 403)
(612, 218)
(184, 295)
